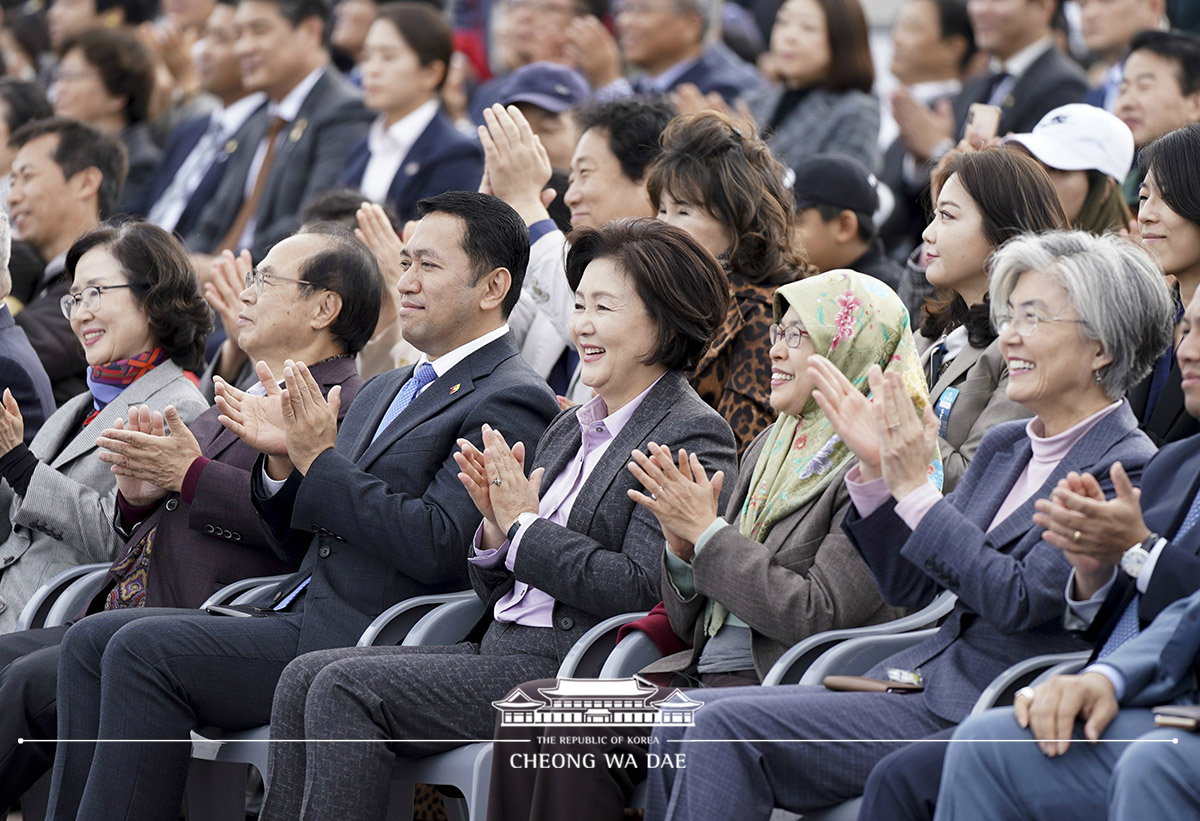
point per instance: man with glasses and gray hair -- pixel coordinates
(21, 374)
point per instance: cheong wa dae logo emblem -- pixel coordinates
(583, 702)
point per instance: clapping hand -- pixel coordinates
(516, 165)
(12, 426)
(906, 440)
(227, 280)
(594, 51)
(496, 481)
(682, 497)
(309, 419)
(257, 420)
(850, 413)
(144, 451)
(922, 128)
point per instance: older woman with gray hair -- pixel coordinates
(1080, 318)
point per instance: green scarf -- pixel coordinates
(855, 321)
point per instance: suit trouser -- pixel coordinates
(28, 671)
(903, 786)
(155, 674)
(397, 701)
(1137, 774)
(800, 748)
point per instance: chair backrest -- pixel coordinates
(442, 618)
(587, 656)
(634, 652)
(35, 611)
(855, 657)
(1034, 669)
(243, 591)
(76, 597)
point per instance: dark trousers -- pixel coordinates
(28, 671)
(141, 680)
(590, 793)
(904, 785)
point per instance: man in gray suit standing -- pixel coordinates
(314, 117)
(1141, 772)
(378, 517)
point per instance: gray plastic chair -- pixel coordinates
(246, 590)
(792, 664)
(633, 653)
(1033, 670)
(36, 610)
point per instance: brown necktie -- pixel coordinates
(250, 204)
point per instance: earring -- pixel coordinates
(1098, 377)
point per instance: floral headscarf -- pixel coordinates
(855, 321)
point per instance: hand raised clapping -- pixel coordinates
(681, 496)
(495, 479)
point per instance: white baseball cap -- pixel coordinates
(1080, 137)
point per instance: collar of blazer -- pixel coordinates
(562, 441)
(138, 392)
(1091, 453)
(446, 389)
(958, 366)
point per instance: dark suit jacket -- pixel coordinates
(381, 522)
(440, 160)
(182, 142)
(803, 578)
(218, 538)
(722, 71)
(23, 374)
(1170, 421)
(309, 158)
(143, 159)
(1009, 582)
(56, 345)
(1052, 80)
(1169, 483)
(606, 560)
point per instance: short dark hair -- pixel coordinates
(866, 222)
(125, 66)
(136, 11)
(341, 206)
(955, 22)
(24, 102)
(79, 147)
(1174, 160)
(1180, 48)
(30, 32)
(494, 236)
(850, 64)
(425, 30)
(682, 287)
(1014, 195)
(297, 11)
(347, 267)
(163, 283)
(634, 126)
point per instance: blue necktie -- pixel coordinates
(423, 375)
(1128, 626)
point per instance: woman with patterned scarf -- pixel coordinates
(136, 308)
(778, 568)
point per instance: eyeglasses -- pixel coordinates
(539, 6)
(792, 335)
(258, 279)
(89, 297)
(640, 8)
(1026, 322)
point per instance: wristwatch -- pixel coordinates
(1133, 559)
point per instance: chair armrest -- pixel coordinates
(633, 653)
(75, 597)
(1004, 686)
(233, 593)
(856, 656)
(588, 654)
(792, 664)
(444, 618)
(1070, 667)
(34, 613)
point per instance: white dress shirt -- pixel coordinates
(389, 146)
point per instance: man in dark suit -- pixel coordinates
(1027, 75)
(314, 116)
(378, 517)
(198, 151)
(1124, 576)
(66, 178)
(187, 495)
(21, 374)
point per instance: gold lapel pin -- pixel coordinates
(298, 130)
(231, 146)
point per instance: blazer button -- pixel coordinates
(237, 537)
(172, 504)
(566, 623)
(9, 560)
(209, 529)
(3, 607)
(324, 551)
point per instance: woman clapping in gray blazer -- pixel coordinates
(137, 310)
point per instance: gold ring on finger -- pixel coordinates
(1076, 536)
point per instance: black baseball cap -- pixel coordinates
(836, 180)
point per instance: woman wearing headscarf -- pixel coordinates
(778, 567)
